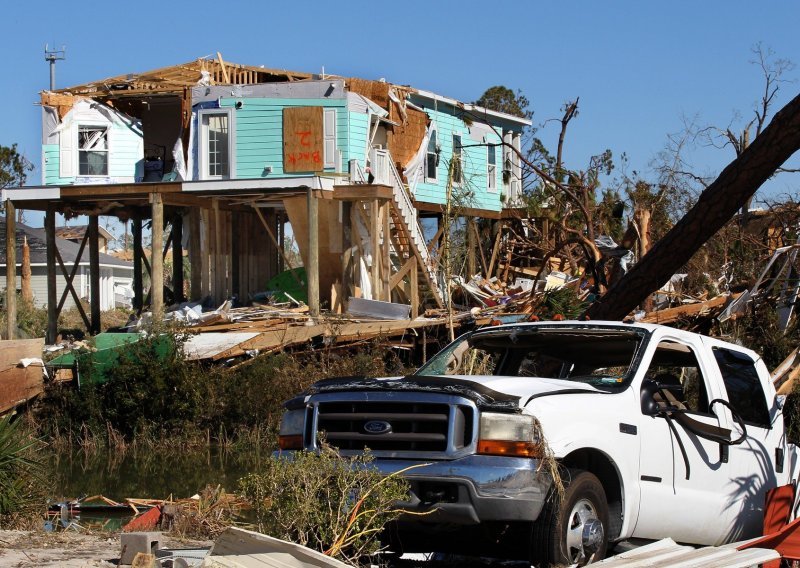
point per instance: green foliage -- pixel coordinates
(503, 99)
(154, 397)
(561, 303)
(14, 167)
(31, 321)
(335, 505)
(21, 475)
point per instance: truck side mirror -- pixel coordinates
(647, 394)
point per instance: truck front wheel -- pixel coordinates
(574, 530)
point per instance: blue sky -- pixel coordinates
(638, 67)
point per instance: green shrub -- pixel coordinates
(335, 505)
(149, 395)
(22, 482)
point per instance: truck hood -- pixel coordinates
(527, 388)
(508, 394)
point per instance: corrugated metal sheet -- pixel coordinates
(667, 554)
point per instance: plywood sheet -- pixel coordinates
(12, 351)
(330, 242)
(407, 135)
(209, 345)
(302, 139)
(19, 384)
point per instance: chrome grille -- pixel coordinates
(392, 425)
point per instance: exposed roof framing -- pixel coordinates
(173, 79)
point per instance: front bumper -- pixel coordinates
(472, 489)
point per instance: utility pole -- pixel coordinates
(53, 55)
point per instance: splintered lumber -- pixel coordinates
(209, 345)
(785, 375)
(271, 340)
(355, 331)
(670, 315)
(717, 204)
(19, 385)
(11, 352)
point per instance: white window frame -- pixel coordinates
(78, 150)
(434, 136)
(202, 128)
(491, 169)
(460, 162)
(329, 138)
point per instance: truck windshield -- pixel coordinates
(599, 356)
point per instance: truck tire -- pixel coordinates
(574, 531)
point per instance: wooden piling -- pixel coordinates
(157, 259)
(138, 285)
(312, 270)
(177, 257)
(11, 270)
(94, 273)
(52, 301)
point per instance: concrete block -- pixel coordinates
(134, 543)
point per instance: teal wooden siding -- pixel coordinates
(259, 134)
(359, 132)
(52, 161)
(127, 153)
(126, 156)
(473, 190)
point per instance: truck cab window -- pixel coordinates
(745, 393)
(675, 367)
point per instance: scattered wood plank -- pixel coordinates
(671, 315)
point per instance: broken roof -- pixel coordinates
(73, 232)
(209, 71)
(173, 79)
(37, 241)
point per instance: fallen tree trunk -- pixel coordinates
(717, 205)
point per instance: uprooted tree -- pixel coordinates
(717, 204)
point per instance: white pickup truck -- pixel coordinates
(656, 433)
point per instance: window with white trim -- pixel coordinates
(93, 150)
(216, 146)
(457, 158)
(491, 168)
(431, 158)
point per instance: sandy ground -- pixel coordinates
(79, 550)
(68, 549)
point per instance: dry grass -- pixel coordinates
(206, 517)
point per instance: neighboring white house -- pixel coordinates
(116, 275)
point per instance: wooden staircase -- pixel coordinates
(407, 238)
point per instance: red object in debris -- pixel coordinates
(533, 317)
(780, 534)
(147, 521)
(778, 508)
(558, 317)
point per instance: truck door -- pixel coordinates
(682, 475)
(759, 462)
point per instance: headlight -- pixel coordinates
(290, 436)
(509, 435)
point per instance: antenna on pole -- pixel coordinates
(53, 55)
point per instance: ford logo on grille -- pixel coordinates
(377, 427)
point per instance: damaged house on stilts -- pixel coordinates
(231, 159)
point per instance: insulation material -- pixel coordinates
(360, 103)
(50, 122)
(180, 163)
